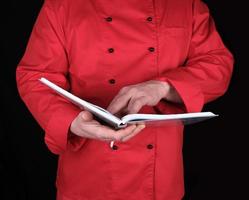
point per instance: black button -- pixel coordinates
(115, 147)
(149, 146)
(112, 81)
(111, 50)
(149, 19)
(108, 19)
(151, 49)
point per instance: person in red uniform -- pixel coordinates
(155, 56)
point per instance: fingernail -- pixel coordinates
(142, 127)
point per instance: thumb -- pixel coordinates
(86, 116)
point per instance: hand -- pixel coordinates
(132, 98)
(85, 126)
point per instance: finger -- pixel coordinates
(87, 128)
(135, 132)
(124, 132)
(90, 124)
(86, 116)
(105, 132)
(119, 103)
(135, 105)
(95, 130)
(121, 92)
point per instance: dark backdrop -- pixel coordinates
(214, 151)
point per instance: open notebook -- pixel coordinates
(116, 122)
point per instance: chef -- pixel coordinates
(132, 56)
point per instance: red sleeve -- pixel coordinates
(45, 57)
(208, 68)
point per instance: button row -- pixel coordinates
(109, 19)
(149, 146)
(151, 49)
(111, 50)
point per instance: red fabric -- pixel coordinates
(69, 46)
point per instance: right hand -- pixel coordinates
(85, 126)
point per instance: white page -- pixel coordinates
(186, 117)
(128, 119)
(98, 111)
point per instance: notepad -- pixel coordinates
(116, 122)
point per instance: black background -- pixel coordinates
(214, 151)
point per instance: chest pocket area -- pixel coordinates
(175, 45)
(176, 31)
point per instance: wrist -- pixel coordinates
(164, 89)
(169, 93)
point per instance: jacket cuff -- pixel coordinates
(75, 142)
(57, 130)
(191, 95)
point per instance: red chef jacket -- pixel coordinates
(93, 48)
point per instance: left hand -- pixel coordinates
(131, 99)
